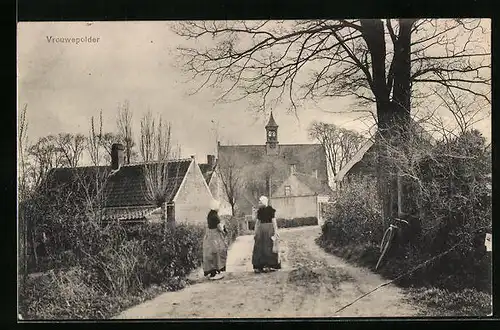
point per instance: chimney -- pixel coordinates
(117, 156)
(211, 160)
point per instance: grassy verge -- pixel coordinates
(430, 300)
(439, 302)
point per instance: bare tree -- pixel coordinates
(94, 141)
(22, 141)
(71, 146)
(231, 179)
(339, 143)
(45, 155)
(92, 181)
(466, 109)
(382, 62)
(159, 171)
(107, 140)
(124, 126)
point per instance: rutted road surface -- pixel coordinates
(312, 283)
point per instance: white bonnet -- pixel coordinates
(264, 200)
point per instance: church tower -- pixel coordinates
(272, 146)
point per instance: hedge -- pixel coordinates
(290, 223)
(116, 273)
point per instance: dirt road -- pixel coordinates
(312, 283)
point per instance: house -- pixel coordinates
(262, 170)
(125, 193)
(364, 163)
(300, 196)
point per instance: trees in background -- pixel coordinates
(231, 180)
(157, 149)
(392, 64)
(340, 144)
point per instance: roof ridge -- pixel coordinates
(159, 162)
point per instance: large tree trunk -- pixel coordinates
(373, 34)
(401, 107)
(393, 117)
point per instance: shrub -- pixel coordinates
(63, 295)
(355, 216)
(455, 205)
(297, 222)
(290, 223)
(128, 263)
(168, 256)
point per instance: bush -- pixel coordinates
(455, 208)
(355, 216)
(65, 294)
(128, 263)
(297, 222)
(290, 223)
(167, 257)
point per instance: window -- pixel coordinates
(288, 190)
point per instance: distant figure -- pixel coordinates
(266, 230)
(214, 245)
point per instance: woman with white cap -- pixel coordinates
(266, 230)
(214, 245)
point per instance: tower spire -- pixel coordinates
(272, 136)
(271, 123)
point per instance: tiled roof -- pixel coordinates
(125, 187)
(128, 213)
(314, 184)
(272, 122)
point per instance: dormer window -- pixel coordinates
(288, 191)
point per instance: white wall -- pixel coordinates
(192, 202)
(295, 206)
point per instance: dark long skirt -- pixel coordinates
(263, 255)
(214, 252)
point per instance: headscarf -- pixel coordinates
(214, 205)
(264, 200)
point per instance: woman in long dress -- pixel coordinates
(214, 245)
(266, 229)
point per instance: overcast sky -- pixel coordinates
(65, 84)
